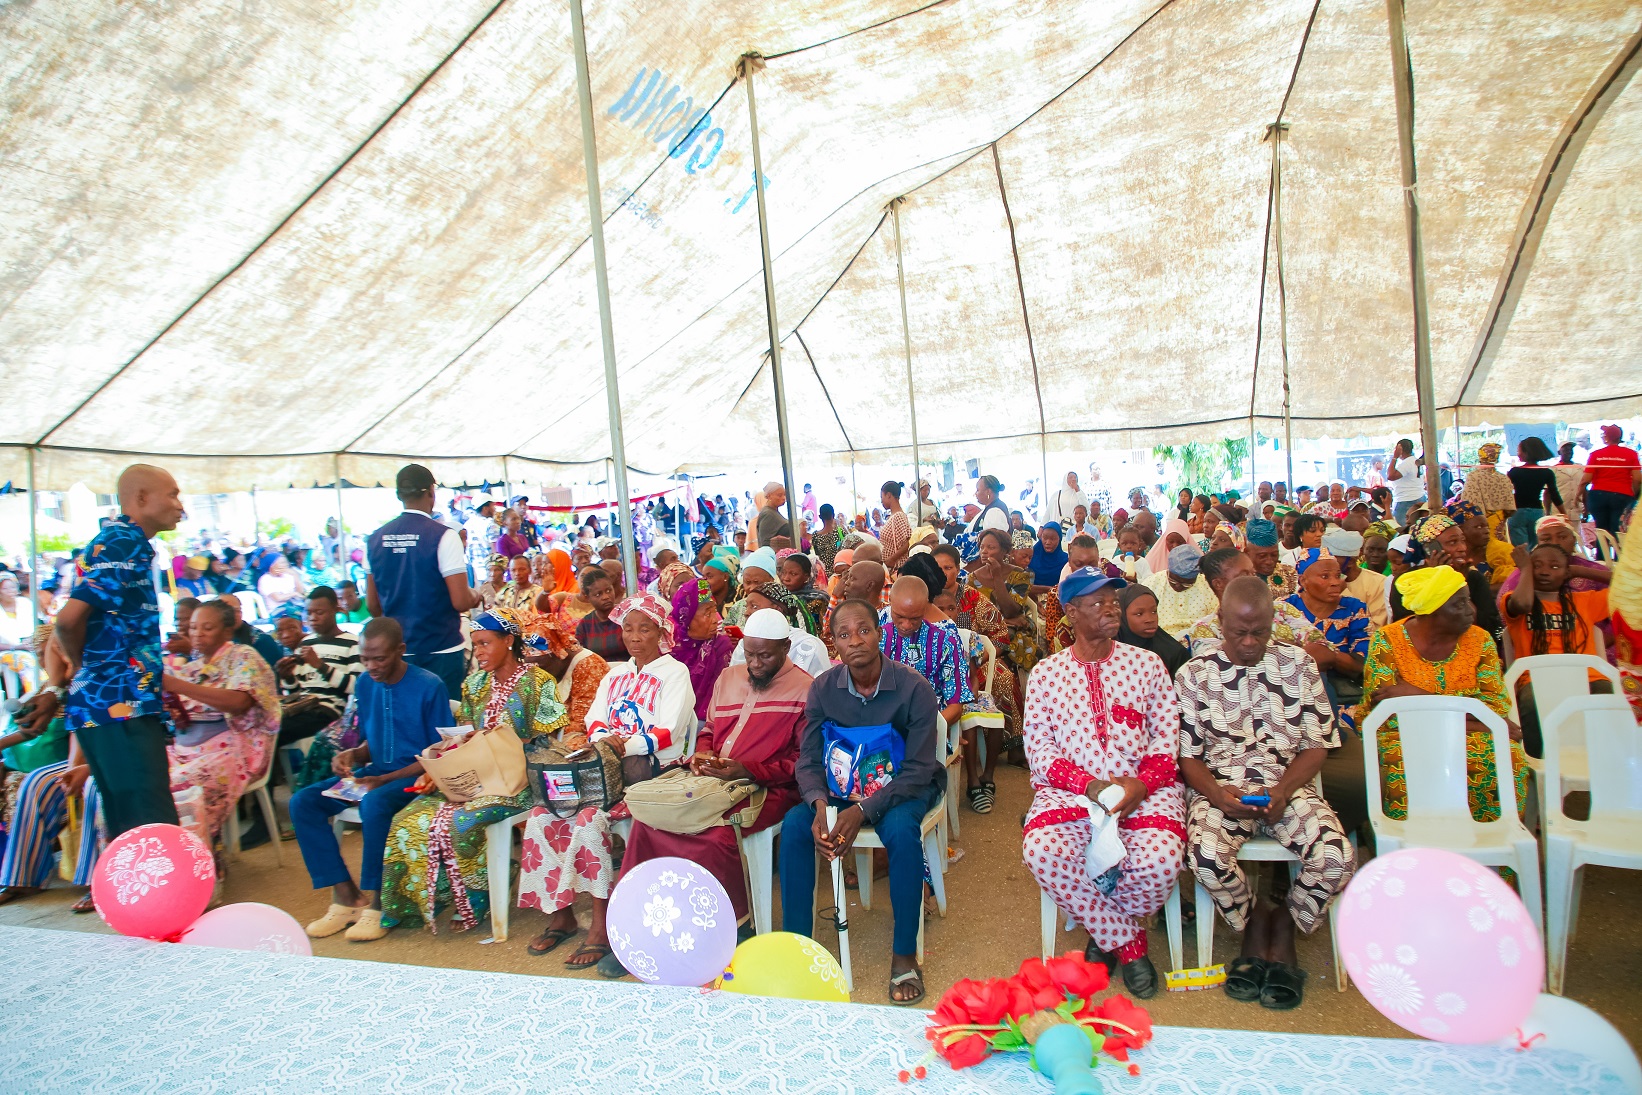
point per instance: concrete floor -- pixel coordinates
(992, 924)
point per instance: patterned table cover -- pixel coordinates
(94, 1013)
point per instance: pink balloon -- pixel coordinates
(1440, 945)
(153, 881)
(671, 923)
(249, 926)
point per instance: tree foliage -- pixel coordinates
(1203, 466)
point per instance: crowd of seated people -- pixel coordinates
(1172, 667)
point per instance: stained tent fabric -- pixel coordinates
(273, 243)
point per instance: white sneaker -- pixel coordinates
(368, 927)
(335, 919)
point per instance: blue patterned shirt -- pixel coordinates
(120, 666)
(1347, 629)
(936, 652)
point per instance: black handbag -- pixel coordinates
(568, 783)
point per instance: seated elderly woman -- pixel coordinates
(436, 848)
(754, 723)
(1345, 626)
(698, 644)
(757, 568)
(1102, 714)
(647, 707)
(227, 716)
(576, 671)
(1439, 651)
(797, 575)
(281, 584)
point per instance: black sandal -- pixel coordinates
(552, 937)
(593, 951)
(1246, 978)
(912, 976)
(1284, 988)
(981, 797)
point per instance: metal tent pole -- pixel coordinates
(750, 64)
(341, 528)
(906, 334)
(34, 540)
(1402, 77)
(256, 519)
(1275, 131)
(601, 279)
(1254, 472)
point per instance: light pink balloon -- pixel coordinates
(1440, 945)
(153, 881)
(249, 926)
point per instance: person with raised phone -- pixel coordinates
(885, 707)
(1255, 729)
(400, 710)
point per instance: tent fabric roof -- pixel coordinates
(270, 242)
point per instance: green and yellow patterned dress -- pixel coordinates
(416, 883)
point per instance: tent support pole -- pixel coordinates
(341, 529)
(1275, 131)
(34, 538)
(750, 64)
(906, 335)
(1254, 447)
(601, 278)
(855, 491)
(1402, 78)
(256, 519)
(1459, 445)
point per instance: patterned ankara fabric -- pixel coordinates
(119, 676)
(207, 779)
(1103, 720)
(419, 877)
(1473, 670)
(1248, 724)
(936, 652)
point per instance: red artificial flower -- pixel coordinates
(969, 1001)
(1119, 1009)
(965, 1052)
(1032, 989)
(1077, 976)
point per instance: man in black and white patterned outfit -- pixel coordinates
(1256, 721)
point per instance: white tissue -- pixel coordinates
(1105, 846)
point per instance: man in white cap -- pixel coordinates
(1367, 587)
(772, 523)
(752, 731)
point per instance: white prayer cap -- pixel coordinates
(766, 623)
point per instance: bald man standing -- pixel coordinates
(109, 632)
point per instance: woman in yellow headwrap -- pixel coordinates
(1439, 651)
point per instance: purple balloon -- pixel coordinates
(249, 926)
(671, 923)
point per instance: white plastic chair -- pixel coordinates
(1432, 730)
(1607, 548)
(251, 605)
(1262, 849)
(1612, 837)
(758, 859)
(1048, 913)
(865, 841)
(265, 802)
(1558, 677)
(954, 773)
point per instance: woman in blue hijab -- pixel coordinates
(1049, 558)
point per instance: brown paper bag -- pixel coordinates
(489, 762)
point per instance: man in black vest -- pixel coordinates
(418, 576)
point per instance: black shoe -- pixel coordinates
(1094, 954)
(1140, 978)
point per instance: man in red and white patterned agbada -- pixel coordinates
(1099, 713)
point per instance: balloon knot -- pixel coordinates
(1527, 1043)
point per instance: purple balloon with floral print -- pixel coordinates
(671, 923)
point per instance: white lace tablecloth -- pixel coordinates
(92, 1013)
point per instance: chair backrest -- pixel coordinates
(972, 637)
(1613, 745)
(251, 605)
(1607, 548)
(1432, 733)
(1555, 677)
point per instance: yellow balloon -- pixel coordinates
(784, 964)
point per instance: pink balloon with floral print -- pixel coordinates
(153, 881)
(1440, 945)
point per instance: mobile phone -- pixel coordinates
(1255, 800)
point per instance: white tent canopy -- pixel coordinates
(268, 243)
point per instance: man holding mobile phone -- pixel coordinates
(401, 708)
(1256, 724)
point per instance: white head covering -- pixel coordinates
(766, 623)
(806, 652)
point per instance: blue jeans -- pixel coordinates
(903, 843)
(449, 667)
(1520, 525)
(1400, 510)
(311, 813)
(1606, 508)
